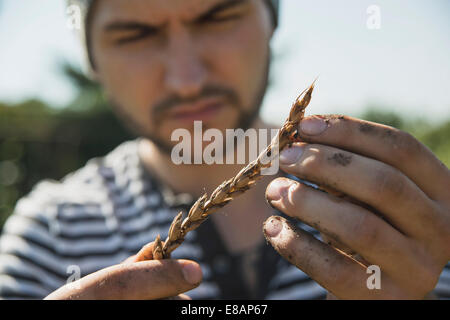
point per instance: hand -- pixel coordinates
(395, 213)
(135, 279)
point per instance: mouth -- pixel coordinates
(202, 110)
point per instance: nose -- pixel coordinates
(185, 69)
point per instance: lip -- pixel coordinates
(201, 110)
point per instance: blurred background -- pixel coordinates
(384, 61)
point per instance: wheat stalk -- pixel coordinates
(231, 188)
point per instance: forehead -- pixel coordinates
(156, 11)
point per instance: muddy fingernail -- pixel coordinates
(273, 227)
(278, 189)
(313, 126)
(291, 155)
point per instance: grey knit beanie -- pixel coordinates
(85, 5)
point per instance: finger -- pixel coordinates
(359, 230)
(384, 143)
(336, 244)
(146, 253)
(338, 273)
(130, 259)
(339, 246)
(146, 280)
(370, 181)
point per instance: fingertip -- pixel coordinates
(280, 232)
(146, 253)
(313, 125)
(272, 227)
(192, 272)
(278, 189)
(292, 155)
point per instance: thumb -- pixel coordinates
(154, 279)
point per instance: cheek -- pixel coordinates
(131, 80)
(240, 59)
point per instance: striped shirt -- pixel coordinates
(105, 212)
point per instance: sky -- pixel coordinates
(403, 66)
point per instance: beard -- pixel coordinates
(244, 121)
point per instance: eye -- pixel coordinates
(222, 16)
(135, 35)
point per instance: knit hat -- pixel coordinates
(85, 5)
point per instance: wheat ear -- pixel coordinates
(231, 188)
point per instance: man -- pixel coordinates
(165, 64)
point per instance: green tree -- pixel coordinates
(40, 142)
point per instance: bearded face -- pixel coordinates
(167, 63)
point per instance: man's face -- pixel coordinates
(166, 63)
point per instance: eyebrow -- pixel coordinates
(220, 7)
(128, 25)
(134, 25)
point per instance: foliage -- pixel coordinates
(39, 142)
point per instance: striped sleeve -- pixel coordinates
(25, 244)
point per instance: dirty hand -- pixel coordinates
(135, 279)
(395, 215)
